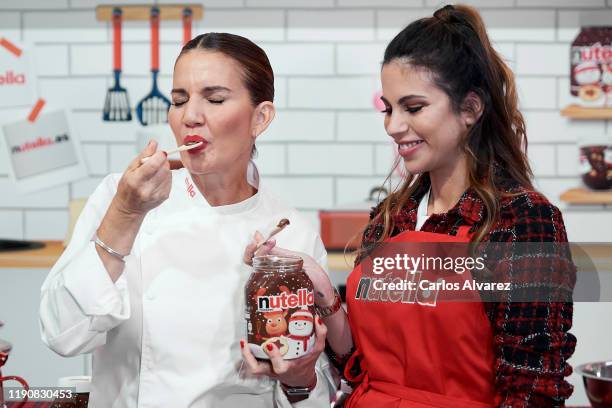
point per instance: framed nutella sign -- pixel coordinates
(17, 76)
(42, 153)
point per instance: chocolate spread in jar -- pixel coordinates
(591, 67)
(596, 166)
(279, 299)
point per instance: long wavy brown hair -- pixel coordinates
(454, 46)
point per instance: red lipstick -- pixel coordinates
(190, 139)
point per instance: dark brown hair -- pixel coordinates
(454, 47)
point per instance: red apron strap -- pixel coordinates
(350, 366)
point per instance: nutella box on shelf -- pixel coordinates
(591, 67)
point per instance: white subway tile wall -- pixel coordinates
(300, 125)
(327, 145)
(271, 159)
(11, 24)
(45, 224)
(542, 59)
(84, 188)
(324, 25)
(12, 223)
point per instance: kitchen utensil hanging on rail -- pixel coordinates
(187, 20)
(117, 104)
(153, 108)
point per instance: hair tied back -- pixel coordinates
(449, 14)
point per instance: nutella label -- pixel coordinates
(303, 298)
(189, 188)
(280, 311)
(10, 78)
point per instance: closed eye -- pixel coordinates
(414, 109)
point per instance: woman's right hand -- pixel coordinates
(144, 186)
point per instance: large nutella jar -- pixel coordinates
(591, 67)
(279, 299)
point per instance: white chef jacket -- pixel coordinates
(166, 333)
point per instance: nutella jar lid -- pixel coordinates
(276, 263)
(595, 140)
(81, 383)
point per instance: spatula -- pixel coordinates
(117, 103)
(153, 108)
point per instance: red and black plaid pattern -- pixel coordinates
(531, 339)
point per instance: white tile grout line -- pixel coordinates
(286, 151)
(335, 191)
(23, 223)
(286, 25)
(21, 21)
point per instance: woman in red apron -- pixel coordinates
(436, 354)
(451, 108)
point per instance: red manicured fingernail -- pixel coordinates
(241, 344)
(165, 154)
(319, 320)
(269, 347)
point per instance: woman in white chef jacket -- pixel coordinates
(152, 281)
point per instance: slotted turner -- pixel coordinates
(117, 103)
(153, 108)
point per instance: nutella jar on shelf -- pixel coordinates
(591, 67)
(279, 300)
(596, 163)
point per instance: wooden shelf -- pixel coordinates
(143, 11)
(584, 196)
(579, 112)
(35, 258)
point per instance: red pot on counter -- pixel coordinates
(342, 227)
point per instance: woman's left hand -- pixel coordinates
(299, 372)
(323, 286)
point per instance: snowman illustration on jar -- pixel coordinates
(301, 333)
(587, 75)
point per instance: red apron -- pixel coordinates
(416, 356)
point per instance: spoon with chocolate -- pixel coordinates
(281, 225)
